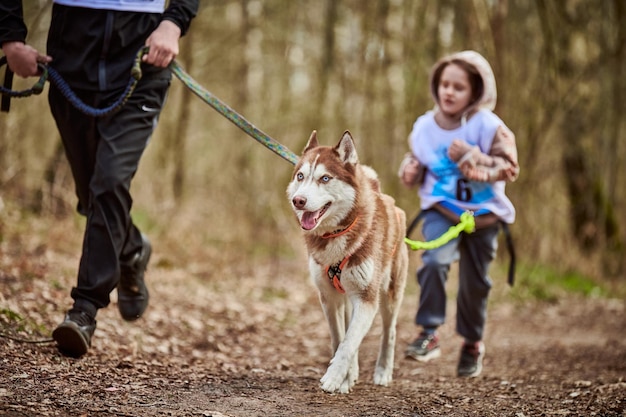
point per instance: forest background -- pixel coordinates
(206, 189)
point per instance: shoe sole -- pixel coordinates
(70, 340)
(433, 354)
(473, 374)
(135, 316)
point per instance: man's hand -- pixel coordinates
(162, 44)
(23, 59)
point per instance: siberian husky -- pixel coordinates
(357, 257)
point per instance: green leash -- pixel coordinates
(466, 224)
(232, 115)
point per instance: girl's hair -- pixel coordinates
(475, 79)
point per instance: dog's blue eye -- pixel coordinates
(300, 176)
(325, 178)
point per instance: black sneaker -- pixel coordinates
(132, 293)
(471, 361)
(73, 336)
(424, 348)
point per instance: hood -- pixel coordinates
(489, 96)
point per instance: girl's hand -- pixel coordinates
(458, 149)
(411, 172)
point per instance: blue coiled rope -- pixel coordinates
(49, 73)
(67, 92)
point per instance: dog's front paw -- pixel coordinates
(383, 376)
(334, 382)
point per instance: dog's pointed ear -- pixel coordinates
(312, 143)
(347, 149)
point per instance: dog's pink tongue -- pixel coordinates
(309, 220)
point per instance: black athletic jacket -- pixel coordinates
(94, 49)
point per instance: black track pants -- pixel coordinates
(104, 155)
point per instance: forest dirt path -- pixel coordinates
(248, 340)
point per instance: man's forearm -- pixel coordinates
(12, 27)
(181, 12)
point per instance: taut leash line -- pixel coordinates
(232, 115)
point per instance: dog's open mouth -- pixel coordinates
(310, 218)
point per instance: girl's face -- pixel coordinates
(455, 90)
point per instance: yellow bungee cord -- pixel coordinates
(466, 224)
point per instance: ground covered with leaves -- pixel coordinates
(248, 338)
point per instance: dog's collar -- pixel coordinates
(338, 233)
